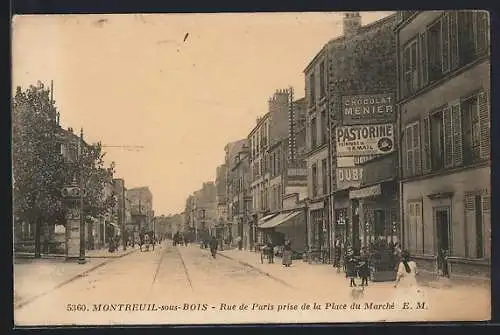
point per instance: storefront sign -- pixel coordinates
(365, 140)
(348, 177)
(366, 109)
(365, 192)
(350, 161)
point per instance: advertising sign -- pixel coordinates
(348, 177)
(73, 235)
(368, 109)
(349, 161)
(364, 140)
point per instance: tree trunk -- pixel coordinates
(38, 229)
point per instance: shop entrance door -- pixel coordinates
(442, 218)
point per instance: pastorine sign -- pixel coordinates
(367, 109)
(376, 139)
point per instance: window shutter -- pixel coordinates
(457, 134)
(484, 122)
(482, 32)
(448, 138)
(470, 224)
(404, 151)
(426, 145)
(406, 70)
(486, 213)
(454, 58)
(445, 43)
(424, 67)
(409, 152)
(419, 246)
(417, 161)
(411, 228)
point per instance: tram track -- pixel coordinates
(186, 272)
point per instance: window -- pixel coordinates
(314, 133)
(278, 163)
(471, 130)
(411, 150)
(437, 141)
(314, 180)
(410, 70)
(323, 126)
(324, 174)
(322, 90)
(477, 218)
(435, 51)
(415, 233)
(473, 32)
(312, 89)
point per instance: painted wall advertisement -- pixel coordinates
(368, 109)
(365, 140)
(348, 177)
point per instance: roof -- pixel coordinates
(261, 120)
(340, 39)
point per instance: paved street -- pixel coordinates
(179, 280)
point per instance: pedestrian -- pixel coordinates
(287, 254)
(351, 271)
(270, 251)
(213, 246)
(406, 286)
(364, 267)
(186, 241)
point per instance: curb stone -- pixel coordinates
(71, 279)
(267, 274)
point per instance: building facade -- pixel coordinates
(141, 200)
(443, 100)
(350, 93)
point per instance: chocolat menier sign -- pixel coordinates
(368, 109)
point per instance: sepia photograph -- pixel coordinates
(251, 168)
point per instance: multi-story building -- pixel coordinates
(350, 86)
(205, 210)
(273, 124)
(232, 151)
(221, 175)
(241, 199)
(444, 104)
(288, 181)
(142, 213)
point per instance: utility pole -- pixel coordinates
(81, 259)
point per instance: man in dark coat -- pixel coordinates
(213, 246)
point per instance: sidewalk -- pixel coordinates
(302, 274)
(36, 277)
(98, 253)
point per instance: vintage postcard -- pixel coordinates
(251, 168)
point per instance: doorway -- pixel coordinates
(442, 218)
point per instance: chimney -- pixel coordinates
(70, 130)
(351, 23)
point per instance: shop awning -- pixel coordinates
(265, 219)
(280, 219)
(366, 192)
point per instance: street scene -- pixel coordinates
(304, 167)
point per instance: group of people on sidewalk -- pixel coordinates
(269, 251)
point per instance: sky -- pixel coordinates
(180, 85)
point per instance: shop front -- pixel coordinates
(377, 204)
(288, 226)
(318, 242)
